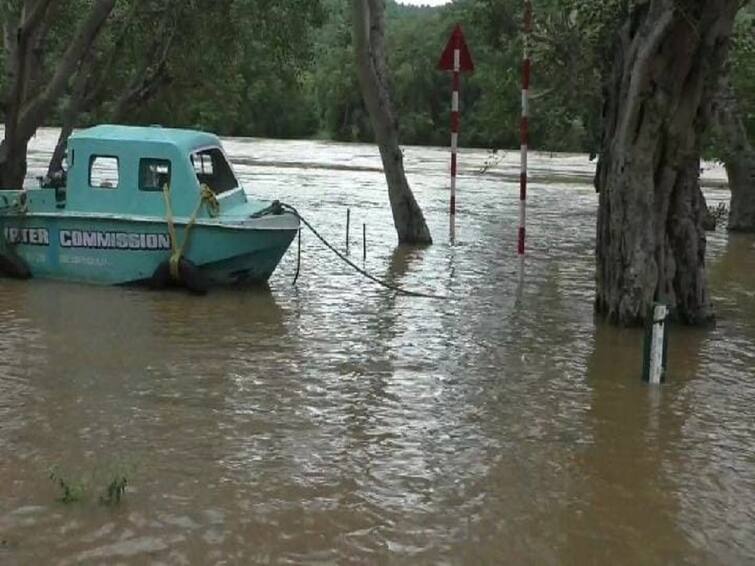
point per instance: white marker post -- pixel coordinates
(656, 346)
(348, 224)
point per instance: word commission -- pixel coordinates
(113, 240)
(89, 239)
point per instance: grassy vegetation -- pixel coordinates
(107, 487)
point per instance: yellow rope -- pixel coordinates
(206, 196)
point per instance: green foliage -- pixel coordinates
(114, 491)
(333, 86)
(573, 42)
(741, 72)
(285, 68)
(568, 47)
(71, 491)
(114, 479)
(237, 68)
(742, 58)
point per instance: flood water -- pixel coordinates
(333, 421)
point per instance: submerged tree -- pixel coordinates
(369, 45)
(650, 238)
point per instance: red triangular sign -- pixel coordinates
(457, 41)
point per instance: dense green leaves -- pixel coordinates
(285, 68)
(743, 66)
(238, 68)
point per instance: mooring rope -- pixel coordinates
(206, 196)
(279, 206)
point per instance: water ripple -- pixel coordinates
(336, 422)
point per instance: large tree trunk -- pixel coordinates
(650, 238)
(738, 157)
(369, 39)
(28, 99)
(23, 36)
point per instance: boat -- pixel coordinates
(144, 205)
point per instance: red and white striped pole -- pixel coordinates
(456, 58)
(524, 126)
(455, 122)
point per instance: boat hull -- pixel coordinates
(120, 251)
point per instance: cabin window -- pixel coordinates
(212, 169)
(202, 162)
(154, 174)
(103, 172)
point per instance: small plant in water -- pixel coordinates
(115, 490)
(715, 215)
(721, 212)
(71, 491)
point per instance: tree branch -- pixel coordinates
(36, 110)
(35, 16)
(34, 55)
(639, 76)
(148, 79)
(93, 93)
(19, 52)
(71, 113)
(10, 41)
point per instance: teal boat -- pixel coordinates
(139, 204)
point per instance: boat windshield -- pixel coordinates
(213, 170)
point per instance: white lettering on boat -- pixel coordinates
(97, 240)
(29, 236)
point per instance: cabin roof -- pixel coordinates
(186, 140)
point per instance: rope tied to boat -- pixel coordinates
(276, 208)
(402, 291)
(206, 197)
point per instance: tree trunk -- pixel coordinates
(369, 40)
(22, 38)
(28, 101)
(89, 88)
(56, 161)
(12, 163)
(650, 238)
(71, 111)
(738, 157)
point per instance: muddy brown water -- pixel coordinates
(336, 422)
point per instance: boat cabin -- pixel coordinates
(124, 169)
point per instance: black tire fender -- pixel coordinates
(161, 277)
(13, 266)
(192, 277)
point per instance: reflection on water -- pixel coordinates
(335, 421)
